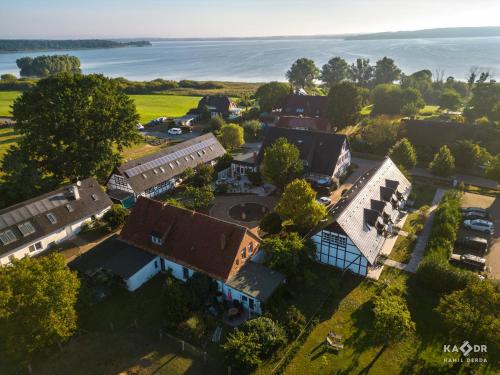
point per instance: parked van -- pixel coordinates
(471, 261)
(474, 243)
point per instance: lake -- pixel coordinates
(266, 59)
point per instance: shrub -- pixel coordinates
(271, 223)
(255, 178)
(295, 322)
(437, 274)
(115, 217)
(175, 307)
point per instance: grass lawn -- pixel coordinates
(403, 248)
(140, 149)
(350, 315)
(6, 100)
(7, 138)
(428, 111)
(153, 106)
(422, 195)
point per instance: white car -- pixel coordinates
(326, 201)
(175, 131)
(480, 225)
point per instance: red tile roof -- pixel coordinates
(189, 238)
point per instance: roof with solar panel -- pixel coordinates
(366, 206)
(172, 161)
(28, 221)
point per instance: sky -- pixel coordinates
(234, 18)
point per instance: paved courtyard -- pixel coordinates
(223, 203)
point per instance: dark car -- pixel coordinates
(472, 215)
(473, 243)
(470, 261)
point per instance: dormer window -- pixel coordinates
(250, 248)
(244, 253)
(156, 239)
(144, 176)
(52, 218)
(95, 197)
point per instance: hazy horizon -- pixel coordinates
(115, 19)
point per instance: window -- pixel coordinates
(178, 162)
(156, 239)
(171, 165)
(185, 273)
(186, 158)
(35, 247)
(156, 264)
(250, 248)
(251, 303)
(52, 218)
(7, 237)
(244, 253)
(144, 176)
(244, 298)
(69, 208)
(155, 171)
(162, 169)
(26, 228)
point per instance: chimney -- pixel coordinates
(222, 241)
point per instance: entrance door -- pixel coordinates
(244, 302)
(162, 264)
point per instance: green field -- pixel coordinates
(6, 99)
(153, 106)
(148, 106)
(7, 139)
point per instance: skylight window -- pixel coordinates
(162, 169)
(69, 208)
(26, 228)
(144, 176)
(95, 197)
(7, 237)
(52, 218)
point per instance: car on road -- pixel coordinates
(480, 225)
(174, 131)
(471, 261)
(326, 201)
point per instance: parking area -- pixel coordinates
(492, 204)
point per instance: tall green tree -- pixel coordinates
(450, 99)
(334, 71)
(287, 254)
(197, 198)
(485, 97)
(344, 104)
(386, 71)
(75, 125)
(44, 66)
(37, 306)
(302, 74)
(493, 169)
(231, 136)
(380, 133)
(298, 204)
(281, 163)
(403, 153)
(469, 155)
(443, 163)
(361, 72)
(391, 99)
(271, 95)
(392, 318)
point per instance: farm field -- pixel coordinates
(7, 139)
(6, 99)
(153, 106)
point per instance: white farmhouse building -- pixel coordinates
(31, 227)
(359, 223)
(155, 174)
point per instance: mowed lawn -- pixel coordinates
(153, 106)
(6, 100)
(7, 138)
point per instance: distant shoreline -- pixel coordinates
(42, 45)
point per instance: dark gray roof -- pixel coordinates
(364, 203)
(59, 205)
(309, 105)
(221, 103)
(172, 161)
(320, 150)
(114, 255)
(256, 280)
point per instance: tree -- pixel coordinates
(231, 136)
(271, 223)
(271, 95)
(216, 123)
(391, 99)
(386, 71)
(450, 99)
(298, 204)
(403, 153)
(8, 77)
(281, 163)
(198, 198)
(392, 317)
(253, 129)
(202, 175)
(474, 313)
(287, 254)
(270, 334)
(495, 113)
(302, 74)
(380, 133)
(469, 155)
(115, 217)
(295, 322)
(75, 126)
(37, 306)
(175, 304)
(443, 163)
(334, 71)
(43, 66)
(344, 104)
(361, 72)
(485, 97)
(493, 169)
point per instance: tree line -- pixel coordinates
(44, 66)
(13, 45)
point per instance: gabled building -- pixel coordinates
(185, 242)
(304, 123)
(304, 105)
(33, 226)
(155, 174)
(325, 155)
(218, 105)
(360, 222)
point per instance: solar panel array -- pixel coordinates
(183, 153)
(30, 210)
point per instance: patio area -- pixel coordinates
(242, 185)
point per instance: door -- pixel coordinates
(244, 302)
(162, 264)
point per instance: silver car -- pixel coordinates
(480, 225)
